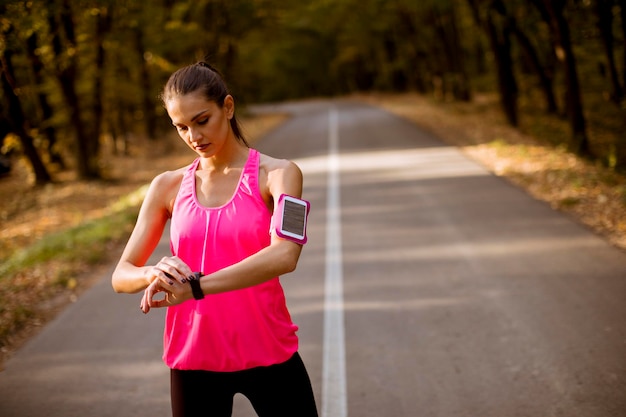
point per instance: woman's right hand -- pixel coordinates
(168, 276)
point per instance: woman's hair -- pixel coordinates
(206, 80)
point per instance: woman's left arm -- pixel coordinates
(279, 258)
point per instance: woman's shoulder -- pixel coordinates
(167, 183)
(170, 178)
(280, 176)
(269, 164)
(164, 187)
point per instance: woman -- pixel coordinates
(229, 331)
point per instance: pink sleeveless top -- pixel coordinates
(239, 329)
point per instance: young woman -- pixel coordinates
(229, 330)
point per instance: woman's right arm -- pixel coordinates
(131, 275)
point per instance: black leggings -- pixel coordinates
(282, 390)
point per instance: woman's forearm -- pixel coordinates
(128, 278)
(266, 264)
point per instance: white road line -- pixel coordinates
(334, 403)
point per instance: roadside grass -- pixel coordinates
(82, 243)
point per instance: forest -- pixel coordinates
(81, 78)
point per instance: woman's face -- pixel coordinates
(202, 124)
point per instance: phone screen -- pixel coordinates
(291, 217)
(294, 218)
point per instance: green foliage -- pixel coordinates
(274, 50)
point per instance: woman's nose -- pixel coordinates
(195, 135)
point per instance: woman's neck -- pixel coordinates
(231, 156)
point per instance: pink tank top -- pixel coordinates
(234, 330)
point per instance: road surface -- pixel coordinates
(429, 287)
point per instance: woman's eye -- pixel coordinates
(181, 128)
(203, 121)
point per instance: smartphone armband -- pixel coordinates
(290, 218)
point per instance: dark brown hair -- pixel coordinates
(202, 78)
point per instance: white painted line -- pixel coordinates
(334, 402)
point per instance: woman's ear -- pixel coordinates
(229, 106)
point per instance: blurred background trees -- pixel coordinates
(81, 78)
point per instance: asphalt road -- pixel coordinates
(429, 287)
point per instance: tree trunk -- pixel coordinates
(507, 83)
(17, 120)
(621, 141)
(528, 49)
(415, 64)
(545, 81)
(86, 163)
(462, 89)
(46, 110)
(622, 8)
(103, 25)
(552, 12)
(500, 41)
(446, 28)
(149, 116)
(605, 26)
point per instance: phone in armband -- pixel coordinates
(290, 218)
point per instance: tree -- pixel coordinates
(443, 17)
(552, 12)
(532, 57)
(147, 99)
(499, 35)
(17, 119)
(61, 23)
(102, 26)
(604, 12)
(622, 10)
(44, 104)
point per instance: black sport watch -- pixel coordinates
(194, 281)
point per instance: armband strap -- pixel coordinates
(194, 281)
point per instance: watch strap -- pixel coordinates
(196, 289)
